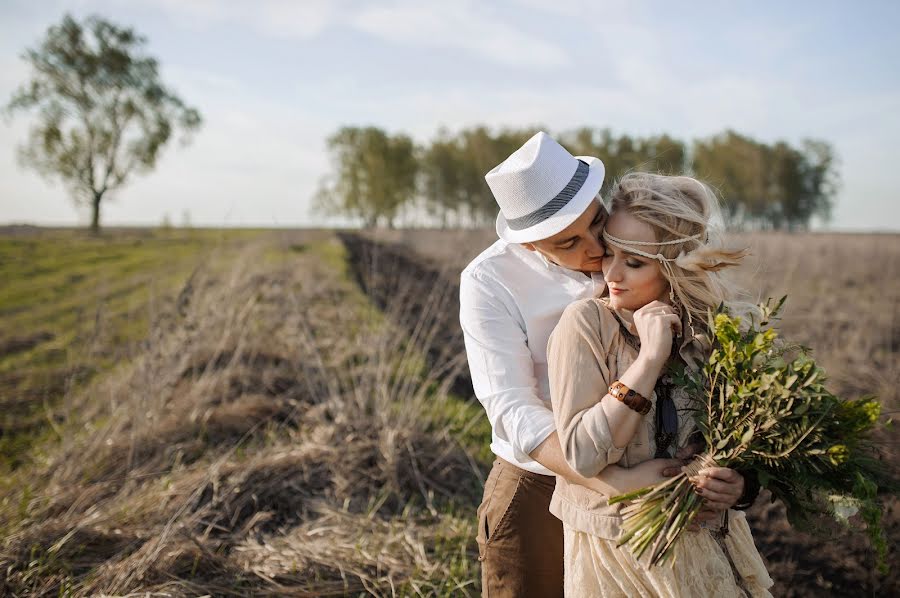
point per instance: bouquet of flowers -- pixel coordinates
(762, 407)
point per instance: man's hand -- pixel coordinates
(615, 480)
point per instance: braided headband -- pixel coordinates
(626, 244)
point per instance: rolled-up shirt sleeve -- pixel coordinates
(501, 365)
(579, 379)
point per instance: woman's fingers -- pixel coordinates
(656, 324)
(714, 491)
(721, 487)
(671, 471)
(722, 475)
(657, 303)
(726, 474)
(673, 320)
(655, 307)
(663, 319)
(716, 500)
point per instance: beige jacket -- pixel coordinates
(585, 354)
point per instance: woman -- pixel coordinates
(662, 272)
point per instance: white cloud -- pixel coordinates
(289, 18)
(462, 25)
(459, 25)
(300, 19)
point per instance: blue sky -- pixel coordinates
(273, 78)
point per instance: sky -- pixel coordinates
(274, 78)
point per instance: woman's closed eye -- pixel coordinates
(630, 262)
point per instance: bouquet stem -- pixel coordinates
(659, 514)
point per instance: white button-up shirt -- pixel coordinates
(510, 301)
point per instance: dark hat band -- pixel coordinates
(554, 205)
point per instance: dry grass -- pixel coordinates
(279, 432)
(277, 436)
(843, 301)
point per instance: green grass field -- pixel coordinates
(74, 306)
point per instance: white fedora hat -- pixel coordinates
(542, 188)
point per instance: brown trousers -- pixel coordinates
(520, 544)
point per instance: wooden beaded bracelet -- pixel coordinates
(633, 400)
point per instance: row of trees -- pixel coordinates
(382, 179)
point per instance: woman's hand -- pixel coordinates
(720, 487)
(656, 323)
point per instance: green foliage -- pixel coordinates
(768, 186)
(768, 410)
(103, 114)
(623, 154)
(762, 406)
(453, 168)
(376, 175)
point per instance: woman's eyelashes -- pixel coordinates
(631, 263)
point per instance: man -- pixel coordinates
(511, 297)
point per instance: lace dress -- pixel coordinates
(595, 567)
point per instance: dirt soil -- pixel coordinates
(386, 271)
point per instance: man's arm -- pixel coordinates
(501, 365)
(612, 480)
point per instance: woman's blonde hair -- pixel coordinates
(684, 215)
